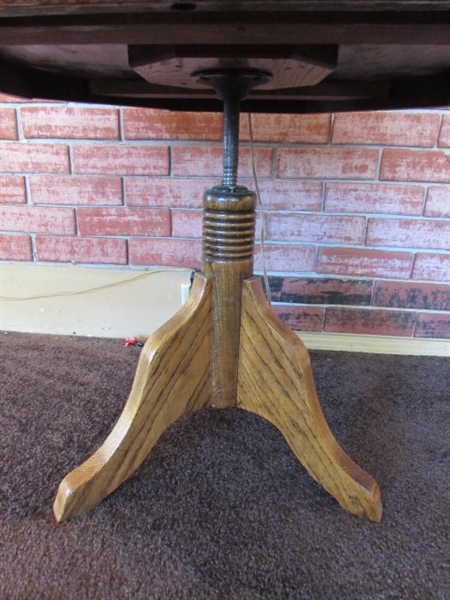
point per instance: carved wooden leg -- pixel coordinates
(173, 377)
(275, 381)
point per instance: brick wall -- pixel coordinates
(357, 206)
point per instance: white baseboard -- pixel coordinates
(375, 344)
(88, 301)
(114, 303)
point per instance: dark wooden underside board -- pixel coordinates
(36, 7)
(391, 54)
(413, 92)
(326, 90)
(280, 27)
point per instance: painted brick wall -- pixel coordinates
(357, 206)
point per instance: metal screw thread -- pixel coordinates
(232, 86)
(231, 115)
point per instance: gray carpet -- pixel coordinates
(221, 509)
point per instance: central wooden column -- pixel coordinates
(228, 240)
(228, 234)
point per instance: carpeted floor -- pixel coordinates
(221, 509)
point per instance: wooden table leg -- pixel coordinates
(173, 377)
(275, 381)
(178, 371)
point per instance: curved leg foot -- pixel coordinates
(172, 378)
(276, 382)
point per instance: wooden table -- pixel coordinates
(226, 347)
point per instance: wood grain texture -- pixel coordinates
(173, 377)
(228, 236)
(255, 5)
(227, 295)
(282, 28)
(289, 65)
(275, 381)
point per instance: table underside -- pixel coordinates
(389, 54)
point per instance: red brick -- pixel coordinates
(406, 294)
(300, 129)
(121, 159)
(8, 124)
(290, 194)
(438, 202)
(328, 163)
(415, 165)
(12, 189)
(187, 193)
(124, 221)
(70, 122)
(444, 135)
(301, 318)
(73, 189)
(317, 228)
(15, 247)
(187, 223)
(432, 267)
(386, 128)
(322, 290)
(207, 161)
(21, 100)
(285, 258)
(81, 250)
(37, 219)
(374, 198)
(409, 233)
(34, 158)
(152, 124)
(166, 192)
(433, 325)
(364, 262)
(165, 252)
(369, 321)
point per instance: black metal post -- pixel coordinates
(232, 86)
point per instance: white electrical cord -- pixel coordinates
(261, 212)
